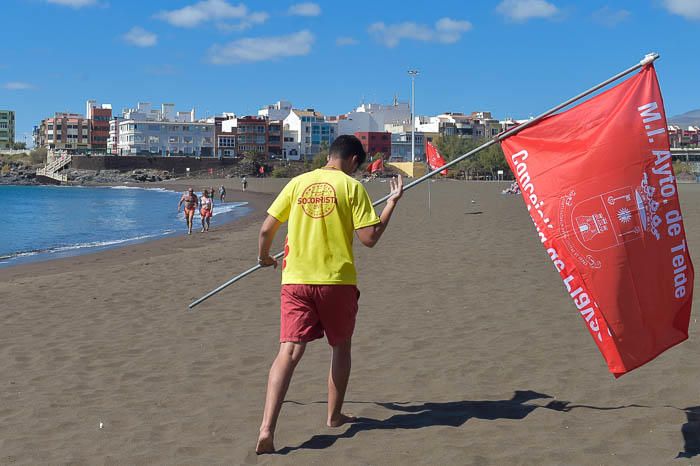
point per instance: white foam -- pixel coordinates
(162, 190)
(87, 245)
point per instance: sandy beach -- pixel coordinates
(468, 350)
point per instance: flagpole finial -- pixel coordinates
(649, 58)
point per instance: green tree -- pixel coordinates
(321, 158)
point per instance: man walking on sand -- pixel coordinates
(191, 202)
(319, 294)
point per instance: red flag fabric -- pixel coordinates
(599, 185)
(376, 166)
(435, 160)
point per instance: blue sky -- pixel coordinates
(511, 57)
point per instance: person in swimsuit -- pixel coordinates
(222, 193)
(206, 209)
(189, 198)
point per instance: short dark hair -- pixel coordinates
(346, 146)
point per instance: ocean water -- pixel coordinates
(44, 222)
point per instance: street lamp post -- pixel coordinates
(413, 74)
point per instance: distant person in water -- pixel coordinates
(222, 193)
(207, 209)
(189, 198)
(244, 183)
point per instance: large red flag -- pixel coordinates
(599, 184)
(435, 160)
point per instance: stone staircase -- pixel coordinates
(52, 169)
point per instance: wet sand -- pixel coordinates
(467, 351)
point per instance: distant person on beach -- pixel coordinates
(207, 209)
(191, 202)
(222, 193)
(319, 295)
(244, 183)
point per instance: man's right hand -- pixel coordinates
(267, 261)
(396, 186)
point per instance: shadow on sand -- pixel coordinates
(691, 433)
(453, 413)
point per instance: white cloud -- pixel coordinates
(449, 31)
(73, 3)
(608, 17)
(255, 49)
(17, 86)
(689, 9)
(139, 37)
(446, 31)
(305, 9)
(211, 10)
(345, 41)
(522, 10)
(258, 17)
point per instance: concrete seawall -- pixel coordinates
(172, 164)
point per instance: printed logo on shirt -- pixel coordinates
(318, 200)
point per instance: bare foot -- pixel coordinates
(265, 443)
(340, 420)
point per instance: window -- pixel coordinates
(188, 139)
(173, 139)
(153, 140)
(227, 141)
(3, 125)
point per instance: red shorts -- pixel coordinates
(205, 213)
(308, 311)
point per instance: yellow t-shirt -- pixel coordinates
(324, 207)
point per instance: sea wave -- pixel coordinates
(88, 245)
(162, 190)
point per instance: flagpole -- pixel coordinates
(649, 58)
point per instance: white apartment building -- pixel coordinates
(277, 111)
(375, 117)
(147, 131)
(306, 131)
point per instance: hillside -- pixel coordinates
(686, 119)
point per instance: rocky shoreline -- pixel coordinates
(21, 174)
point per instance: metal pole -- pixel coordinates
(413, 74)
(649, 58)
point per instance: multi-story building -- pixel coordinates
(477, 125)
(275, 138)
(401, 146)
(277, 111)
(113, 138)
(99, 116)
(374, 117)
(65, 131)
(680, 138)
(485, 125)
(308, 129)
(7, 129)
(248, 135)
(147, 131)
(375, 142)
